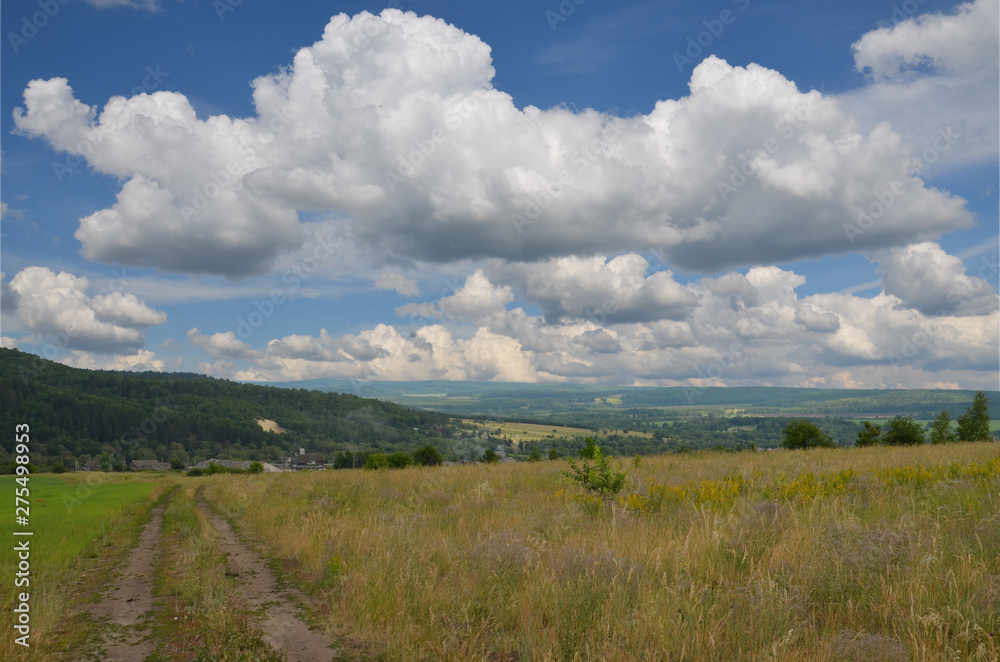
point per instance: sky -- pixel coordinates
(730, 192)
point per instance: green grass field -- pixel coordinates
(75, 519)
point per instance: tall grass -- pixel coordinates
(201, 616)
(893, 554)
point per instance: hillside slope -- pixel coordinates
(74, 413)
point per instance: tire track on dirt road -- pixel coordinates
(127, 607)
(282, 627)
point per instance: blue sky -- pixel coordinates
(729, 192)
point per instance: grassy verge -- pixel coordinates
(201, 616)
(883, 554)
(81, 527)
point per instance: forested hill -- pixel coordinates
(76, 413)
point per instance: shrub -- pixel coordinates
(535, 455)
(600, 478)
(376, 461)
(58, 468)
(941, 429)
(869, 436)
(588, 451)
(553, 454)
(490, 456)
(399, 460)
(902, 431)
(255, 468)
(804, 434)
(428, 456)
(195, 471)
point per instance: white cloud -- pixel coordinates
(399, 283)
(407, 138)
(142, 360)
(148, 5)
(221, 345)
(752, 329)
(8, 343)
(9, 212)
(56, 305)
(960, 42)
(925, 277)
(934, 71)
(597, 288)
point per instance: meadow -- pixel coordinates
(78, 521)
(829, 554)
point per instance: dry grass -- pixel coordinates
(500, 562)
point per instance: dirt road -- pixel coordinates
(127, 606)
(282, 627)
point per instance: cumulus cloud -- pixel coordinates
(959, 42)
(596, 288)
(221, 345)
(774, 336)
(398, 282)
(8, 343)
(56, 305)
(930, 280)
(392, 120)
(143, 360)
(932, 71)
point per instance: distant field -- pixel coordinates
(825, 555)
(525, 432)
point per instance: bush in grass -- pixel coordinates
(599, 478)
(941, 429)
(428, 456)
(805, 434)
(869, 436)
(195, 471)
(399, 460)
(255, 468)
(376, 461)
(535, 455)
(553, 454)
(490, 456)
(902, 431)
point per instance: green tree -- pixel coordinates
(588, 451)
(869, 436)
(428, 456)
(941, 429)
(553, 454)
(176, 463)
(974, 424)
(399, 460)
(376, 461)
(902, 431)
(535, 455)
(805, 434)
(490, 456)
(255, 468)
